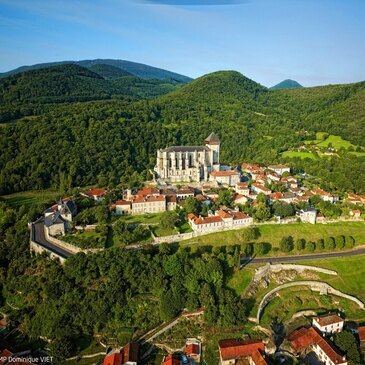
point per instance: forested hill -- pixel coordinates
(24, 93)
(108, 71)
(137, 69)
(286, 84)
(106, 142)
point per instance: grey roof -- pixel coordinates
(185, 149)
(53, 219)
(212, 138)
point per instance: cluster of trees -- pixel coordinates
(127, 233)
(287, 244)
(347, 343)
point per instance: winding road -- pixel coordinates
(39, 238)
(313, 256)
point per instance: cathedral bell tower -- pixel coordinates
(213, 143)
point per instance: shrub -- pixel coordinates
(329, 243)
(349, 241)
(340, 241)
(287, 244)
(320, 244)
(310, 246)
(300, 244)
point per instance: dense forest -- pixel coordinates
(107, 142)
(115, 293)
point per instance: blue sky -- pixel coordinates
(315, 42)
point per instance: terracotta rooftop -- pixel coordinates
(258, 359)
(233, 349)
(328, 319)
(147, 191)
(278, 167)
(171, 360)
(113, 359)
(321, 192)
(304, 337)
(223, 214)
(207, 220)
(261, 187)
(239, 215)
(192, 349)
(362, 333)
(223, 173)
(95, 192)
(122, 202)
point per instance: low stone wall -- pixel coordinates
(67, 246)
(187, 236)
(37, 248)
(320, 286)
(268, 268)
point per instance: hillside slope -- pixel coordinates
(286, 84)
(108, 71)
(136, 69)
(113, 141)
(25, 93)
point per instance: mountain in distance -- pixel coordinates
(72, 83)
(108, 71)
(287, 84)
(137, 69)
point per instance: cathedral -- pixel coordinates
(188, 163)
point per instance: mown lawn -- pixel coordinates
(151, 218)
(29, 198)
(336, 141)
(273, 233)
(300, 154)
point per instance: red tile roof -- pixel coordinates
(362, 333)
(192, 349)
(223, 173)
(261, 187)
(147, 191)
(278, 167)
(95, 192)
(242, 185)
(328, 319)
(5, 354)
(223, 214)
(233, 349)
(258, 359)
(206, 220)
(113, 359)
(192, 216)
(122, 202)
(171, 360)
(239, 215)
(304, 337)
(321, 192)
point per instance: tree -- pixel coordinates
(250, 234)
(283, 209)
(310, 246)
(340, 241)
(168, 219)
(329, 243)
(300, 244)
(261, 198)
(320, 244)
(262, 248)
(224, 198)
(169, 305)
(191, 205)
(347, 343)
(349, 241)
(262, 212)
(287, 244)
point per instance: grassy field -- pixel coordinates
(29, 198)
(273, 233)
(141, 219)
(241, 279)
(302, 155)
(336, 141)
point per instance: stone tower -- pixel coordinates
(213, 143)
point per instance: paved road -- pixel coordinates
(40, 238)
(286, 259)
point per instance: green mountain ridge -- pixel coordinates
(20, 93)
(114, 141)
(286, 84)
(109, 71)
(136, 69)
